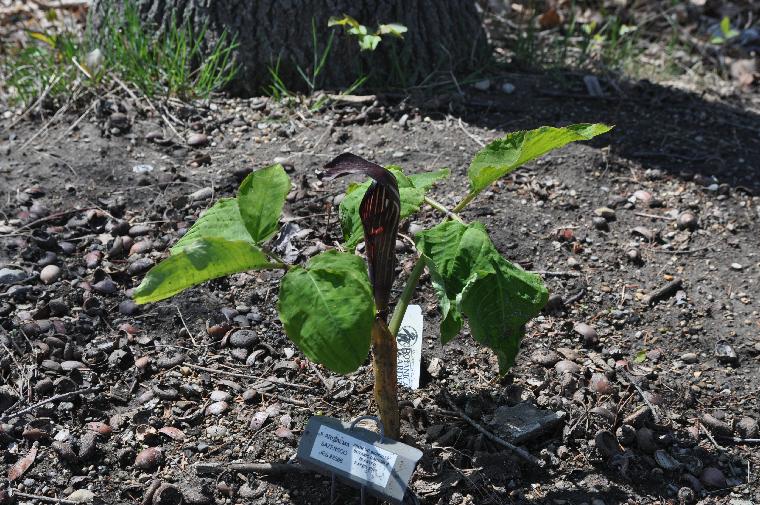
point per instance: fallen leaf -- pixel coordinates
(549, 19)
(22, 465)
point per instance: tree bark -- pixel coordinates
(443, 37)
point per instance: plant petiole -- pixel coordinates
(439, 206)
(406, 296)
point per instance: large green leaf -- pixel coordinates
(261, 198)
(327, 310)
(504, 155)
(411, 192)
(198, 261)
(223, 220)
(473, 280)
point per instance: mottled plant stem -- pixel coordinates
(384, 359)
(406, 297)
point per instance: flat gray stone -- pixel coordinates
(524, 422)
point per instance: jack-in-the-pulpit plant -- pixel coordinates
(333, 307)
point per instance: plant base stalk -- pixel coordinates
(384, 360)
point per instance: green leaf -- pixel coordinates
(504, 155)
(261, 198)
(473, 280)
(412, 190)
(198, 261)
(641, 356)
(395, 29)
(327, 310)
(426, 180)
(223, 220)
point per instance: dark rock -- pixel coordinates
(600, 224)
(606, 444)
(725, 354)
(88, 445)
(12, 275)
(686, 221)
(128, 308)
(713, 478)
(747, 427)
(646, 440)
(589, 334)
(545, 357)
(243, 338)
(140, 266)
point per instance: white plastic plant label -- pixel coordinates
(353, 456)
(409, 341)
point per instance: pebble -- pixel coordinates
(217, 408)
(645, 440)
(128, 308)
(725, 354)
(626, 434)
(140, 266)
(545, 357)
(589, 334)
(566, 366)
(642, 196)
(202, 194)
(69, 365)
(686, 496)
(244, 338)
(435, 368)
(736, 266)
(689, 358)
(686, 221)
(11, 275)
(197, 139)
(747, 427)
(605, 212)
(82, 496)
(599, 383)
(644, 233)
(220, 396)
(216, 431)
(482, 85)
(600, 224)
(149, 459)
(508, 88)
(139, 230)
(88, 445)
(50, 274)
(195, 496)
(633, 255)
(713, 478)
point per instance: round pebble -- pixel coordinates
(50, 274)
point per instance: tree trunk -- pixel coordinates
(443, 37)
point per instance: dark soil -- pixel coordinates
(71, 197)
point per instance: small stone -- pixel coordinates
(590, 337)
(139, 230)
(633, 255)
(736, 266)
(626, 434)
(725, 354)
(220, 396)
(545, 357)
(88, 446)
(713, 478)
(605, 212)
(482, 85)
(645, 233)
(197, 139)
(646, 440)
(128, 308)
(50, 274)
(12, 276)
(686, 221)
(69, 365)
(508, 88)
(195, 496)
(244, 338)
(747, 427)
(600, 224)
(217, 408)
(148, 459)
(82, 496)
(435, 368)
(140, 266)
(642, 196)
(216, 431)
(202, 194)
(689, 358)
(599, 383)
(566, 366)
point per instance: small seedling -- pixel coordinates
(333, 307)
(367, 40)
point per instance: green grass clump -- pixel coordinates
(170, 62)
